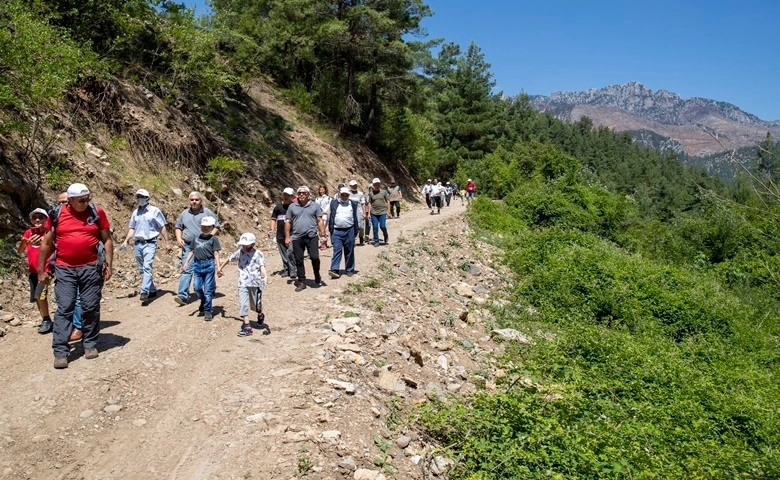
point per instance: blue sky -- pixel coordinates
(719, 49)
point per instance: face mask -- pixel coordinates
(142, 202)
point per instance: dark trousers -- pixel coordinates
(288, 260)
(343, 241)
(311, 245)
(86, 282)
(395, 208)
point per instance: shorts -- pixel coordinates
(33, 280)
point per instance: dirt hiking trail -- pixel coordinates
(174, 397)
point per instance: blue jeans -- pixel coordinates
(343, 241)
(381, 222)
(144, 256)
(205, 281)
(186, 276)
(72, 282)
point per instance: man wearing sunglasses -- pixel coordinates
(77, 234)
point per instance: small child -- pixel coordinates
(31, 245)
(251, 281)
(204, 252)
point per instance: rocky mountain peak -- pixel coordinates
(699, 126)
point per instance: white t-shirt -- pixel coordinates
(249, 263)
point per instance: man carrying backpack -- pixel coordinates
(79, 229)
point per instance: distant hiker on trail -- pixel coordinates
(202, 260)
(278, 216)
(357, 196)
(146, 228)
(323, 200)
(437, 195)
(447, 193)
(396, 196)
(456, 192)
(366, 206)
(187, 229)
(252, 278)
(379, 201)
(426, 191)
(77, 228)
(30, 245)
(343, 225)
(302, 227)
(471, 190)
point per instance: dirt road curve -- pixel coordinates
(172, 396)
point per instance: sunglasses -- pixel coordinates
(83, 200)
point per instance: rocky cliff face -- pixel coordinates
(662, 119)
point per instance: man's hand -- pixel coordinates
(43, 276)
(180, 242)
(287, 241)
(107, 272)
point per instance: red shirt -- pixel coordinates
(471, 187)
(33, 250)
(76, 238)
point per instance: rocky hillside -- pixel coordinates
(117, 136)
(661, 119)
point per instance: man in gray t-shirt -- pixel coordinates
(303, 226)
(187, 229)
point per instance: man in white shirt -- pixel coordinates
(147, 227)
(343, 225)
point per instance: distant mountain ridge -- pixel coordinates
(697, 126)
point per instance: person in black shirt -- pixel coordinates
(276, 224)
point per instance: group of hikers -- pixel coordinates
(438, 195)
(72, 243)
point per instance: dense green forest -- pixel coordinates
(657, 285)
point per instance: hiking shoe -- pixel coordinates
(144, 297)
(90, 353)
(333, 274)
(376, 244)
(179, 300)
(46, 326)
(75, 335)
(349, 274)
(60, 362)
(245, 331)
(319, 283)
(299, 285)
(207, 316)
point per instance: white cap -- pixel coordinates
(353, 183)
(208, 222)
(376, 180)
(141, 193)
(39, 210)
(247, 239)
(77, 190)
(428, 181)
(344, 190)
(289, 191)
(468, 180)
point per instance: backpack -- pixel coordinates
(94, 218)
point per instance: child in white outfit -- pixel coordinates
(251, 281)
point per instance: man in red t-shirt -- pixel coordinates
(80, 228)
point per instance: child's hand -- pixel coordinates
(219, 273)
